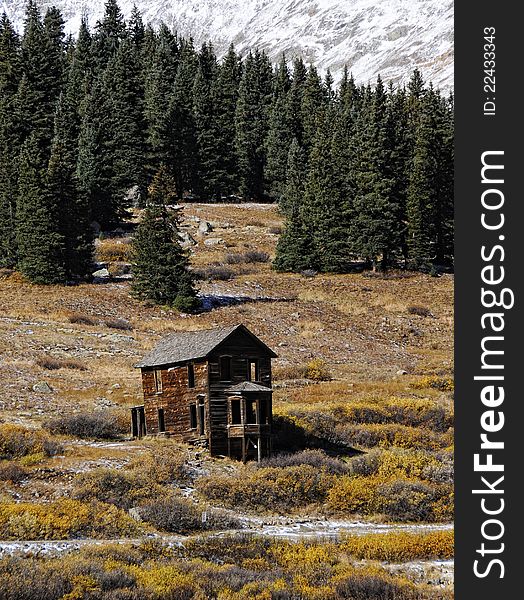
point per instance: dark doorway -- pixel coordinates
(138, 422)
(161, 421)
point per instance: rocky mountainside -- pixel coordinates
(389, 37)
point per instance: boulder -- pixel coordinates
(186, 239)
(213, 241)
(204, 227)
(101, 274)
(42, 387)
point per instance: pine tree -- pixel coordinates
(40, 243)
(62, 187)
(430, 195)
(295, 250)
(125, 142)
(280, 134)
(160, 72)
(10, 66)
(180, 122)
(94, 168)
(160, 265)
(223, 166)
(43, 62)
(313, 101)
(136, 28)
(204, 106)
(325, 211)
(375, 227)
(110, 32)
(252, 122)
(294, 100)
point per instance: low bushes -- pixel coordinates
(214, 273)
(17, 442)
(179, 515)
(50, 363)
(118, 323)
(401, 500)
(164, 463)
(120, 488)
(270, 488)
(444, 384)
(314, 458)
(64, 519)
(317, 370)
(228, 568)
(111, 250)
(400, 546)
(81, 319)
(12, 472)
(101, 424)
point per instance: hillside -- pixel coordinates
(387, 38)
(363, 359)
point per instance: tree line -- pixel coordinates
(359, 172)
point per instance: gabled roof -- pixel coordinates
(191, 345)
(247, 386)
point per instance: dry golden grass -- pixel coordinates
(359, 325)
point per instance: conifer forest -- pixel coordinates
(362, 173)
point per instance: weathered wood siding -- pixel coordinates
(241, 348)
(176, 398)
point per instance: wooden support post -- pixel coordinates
(244, 449)
(259, 448)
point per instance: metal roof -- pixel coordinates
(248, 386)
(190, 345)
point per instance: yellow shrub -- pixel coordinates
(113, 250)
(404, 463)
(400, 546)
(163, 580)
(63, 519)
(317, 370)
(32, 459)
(444, 384)
(353, 494)
(17, 441)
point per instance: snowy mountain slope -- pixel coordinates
(386, 37)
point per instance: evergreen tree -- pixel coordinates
(94, 168)
(62, 187)
(136, 28)
(295, 250)
(43, 62)
(180, 122)
(40, 242)
(326, 210)
(429, 195)
(160, 265)
(375, 227)
(10, 66)
(110, 32)
(280, 134)
(204, 114)
(252, 114)
(294, 100)
(125, 143)
(223, 165)
(160, 73)
(313, 102)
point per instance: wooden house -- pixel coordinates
(209, 388)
